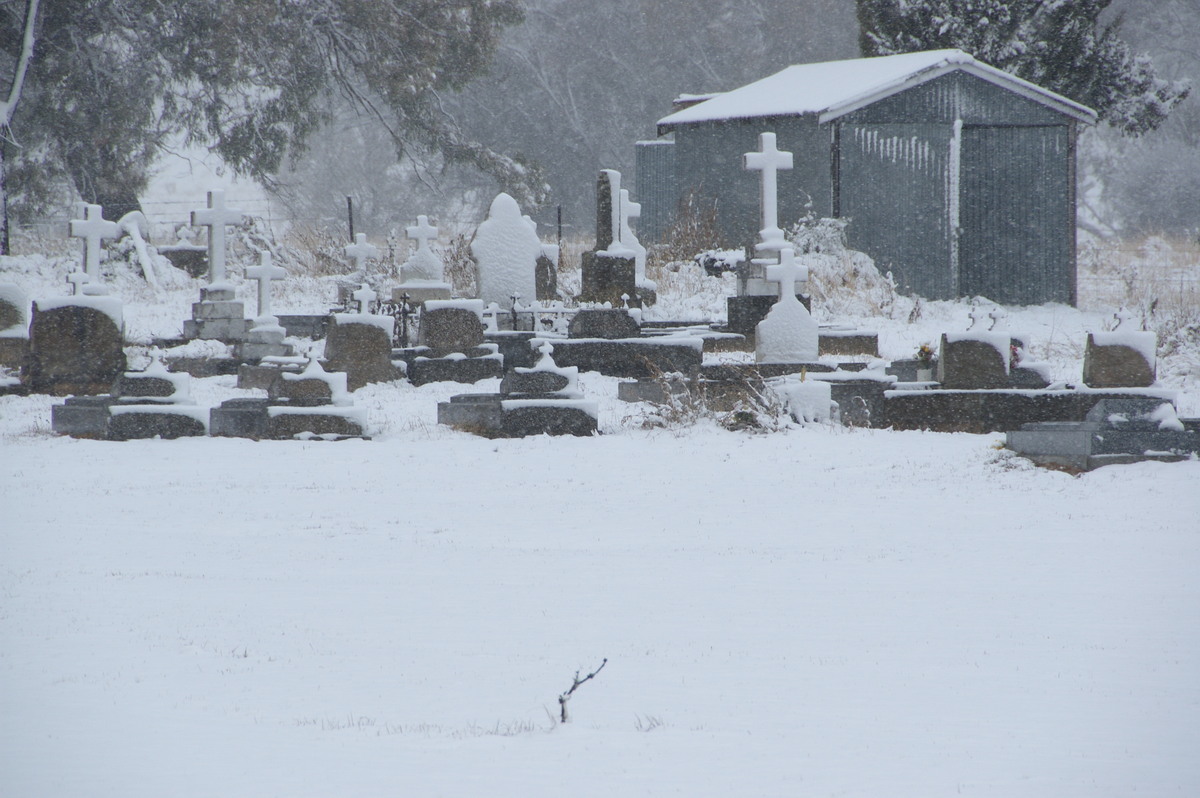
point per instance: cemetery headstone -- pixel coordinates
(453, 347)
(14, 325)
(360, 345)
(217, 316)
(974, 360)
(605, 323)
(609, 272)
(423, 275)
(93, 229)
(788, 334)
(1120, 359)
(310, 404)
(265, 338)
(506, 249)
(756, 295)
(76, 345)
(143, 404)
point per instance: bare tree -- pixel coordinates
(9, 105)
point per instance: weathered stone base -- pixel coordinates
(495, 416)
(607, 278)
(263, 375)
(635, 358)
(992, 410)
(264, 419)
(425, 370)
(107, 418)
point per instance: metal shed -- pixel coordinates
(957, 177)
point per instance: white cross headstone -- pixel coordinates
(977, 314)
(364, 296)
(787, 273)
(422, 232)
(769, 160)
(216, 217)
(264, 273)
(78, 280)
(788, 334)
(93, 229)
(360, 252)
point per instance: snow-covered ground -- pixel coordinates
(815, 611)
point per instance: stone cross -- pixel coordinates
(78, 280)
(364, 296)
(360, 251)
(422, 232)
(264, 272)
(976, 314)
(787, 273)
(769, 160)
(215, 217)
(93, 229)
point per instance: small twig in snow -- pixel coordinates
(565, 697)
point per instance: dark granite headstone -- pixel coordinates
(609, 324)
(546, 279)
(300, 392)
(291, 425)
(363, 351)
(449, 330)
(966, 363)
(133, 383)
(1117, 365)
(608, 277)
(73, 349)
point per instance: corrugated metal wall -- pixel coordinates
(895, 190)
(654, 187)
(1016, 215)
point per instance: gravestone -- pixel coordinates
(143, 404)
(756, 295)
(451, 327)
(506, 249)
(311, 404)
(788, 334)
(76, 346)
(93, 229)
(546, 274)
(14, 326)
(610, 270)
(1120, 359)
(974, 360)
(423, 275)
(360, 344)
(542, 400)
(217, 316)
(453, 347)
(265, 338)
(611, 324)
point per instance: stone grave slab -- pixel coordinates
(610, 324)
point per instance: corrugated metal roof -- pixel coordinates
(834, 88)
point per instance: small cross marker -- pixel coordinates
(422, 232)
(78, 280)
(215, 217)
(787, 273)
(360, 252)
(364, 296)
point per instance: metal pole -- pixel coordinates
(350, 215)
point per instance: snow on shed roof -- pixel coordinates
(835, 88)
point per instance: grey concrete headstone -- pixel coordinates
(1115, 366)
(970, 364)
(609, 324)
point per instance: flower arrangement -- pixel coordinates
(925, 356)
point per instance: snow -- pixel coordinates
(817, 611)
(506, 250)
(808, 401)
(473, 305)
(110, 306)
(385, 323)
(834, 88)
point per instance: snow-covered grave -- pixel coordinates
(265, 337)
(506, 249)
(610, 271)
(423, 275)
(788, 334)
(360, 344)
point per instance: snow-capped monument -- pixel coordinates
(423, 275)
(788, 334)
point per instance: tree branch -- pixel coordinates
(565, 697)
